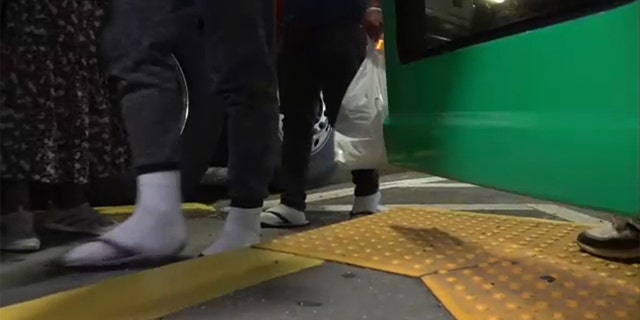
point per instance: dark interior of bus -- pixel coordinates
(433, 27)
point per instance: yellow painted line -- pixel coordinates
(158, 292)
(127, 210)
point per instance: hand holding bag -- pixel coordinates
(359, 136)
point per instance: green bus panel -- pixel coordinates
(551, 113)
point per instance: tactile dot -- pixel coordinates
(601, 303)
(559, 316)
(527, 295)
(572, 303)
(526, 277)
(542, 305)
(481, 307)
(583, 293)
(512, 306)
(541, 285)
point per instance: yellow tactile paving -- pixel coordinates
(531, 288)
(154, 293)
(473, 261)
(403, 241)
(127, 210)
(409, 241)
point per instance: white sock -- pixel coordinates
(241, 229)
(157, 226)
(369, 204)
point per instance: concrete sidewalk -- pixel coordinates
(327, 291)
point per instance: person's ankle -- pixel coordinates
(159, 192)
(244, 218)
(241, 229)
(367, 204)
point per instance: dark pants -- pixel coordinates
(312, 60)
(240, 49)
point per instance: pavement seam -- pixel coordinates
(469, 267)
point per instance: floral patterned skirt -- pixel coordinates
(56, 120)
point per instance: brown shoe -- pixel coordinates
(618, 240)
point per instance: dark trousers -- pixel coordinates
(314, 59)
(240, 49)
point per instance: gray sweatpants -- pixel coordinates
(240, 50)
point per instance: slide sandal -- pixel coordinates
(125, 257)
(283, 217)
(82, 219)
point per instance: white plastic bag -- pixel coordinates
(359, 138)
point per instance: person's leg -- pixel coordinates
(366, 195)
(65, 196)
(71, 211)
(240, 44)
(346, 49)
(136, 48)
(618, 240)
(299, 95)
(16, 220)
